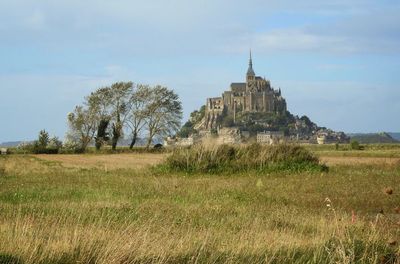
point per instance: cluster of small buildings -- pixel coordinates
(271, 137)
(328, 136)
(229, 135)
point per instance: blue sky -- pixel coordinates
(336, 61)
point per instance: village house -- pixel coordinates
(270, 137)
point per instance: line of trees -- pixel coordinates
(43, 145)
(124, 108)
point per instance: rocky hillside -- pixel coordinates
(292, 126)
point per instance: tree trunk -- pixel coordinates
(98, 144)
(83, 148)
(115, 137)
(116, 134)
(101, 134)
(149, 142)
(114, 143)
(133, 142)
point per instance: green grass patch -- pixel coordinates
(70, 215)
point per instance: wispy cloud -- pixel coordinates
(299, 40)
(338, 27)
(186, 26)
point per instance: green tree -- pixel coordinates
(112, 106)
(82, 123)
(186, 130)
(102, 135)
(54, 143)
(43, 139)
(197, 115)
(99, 103)
(227, 121)
(195, 118)
(136, 118)
(120, 105)
(354, 145)
(44, 144)
(306, 120)
(163, 113)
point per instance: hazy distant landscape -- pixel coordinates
(362, 137)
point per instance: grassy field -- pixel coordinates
(115, 209)
(370, 150)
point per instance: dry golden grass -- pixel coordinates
(105, 161)
(142, 160)
(359, 160)
(69, 209)
(150, 241)
(23, 164)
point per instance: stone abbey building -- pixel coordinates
(254, 95)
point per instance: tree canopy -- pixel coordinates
(109, 113)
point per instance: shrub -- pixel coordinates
(71, 147)
(36, 148)
(43, 145)
(26, 147)
(354, 145)
(2, 170)
(54, 143)
(227, 158)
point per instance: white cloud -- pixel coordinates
(361, 27)
(203, 26)
(328, 39)
(295, 40)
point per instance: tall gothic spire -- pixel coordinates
(250, 71)
(250, 60)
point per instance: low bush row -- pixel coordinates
(228, 158)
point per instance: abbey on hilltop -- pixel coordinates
(251, 111)
(254, 95)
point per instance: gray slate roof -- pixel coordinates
(238, 87)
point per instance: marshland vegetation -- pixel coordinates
(55, 213)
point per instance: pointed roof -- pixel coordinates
(250, 70)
